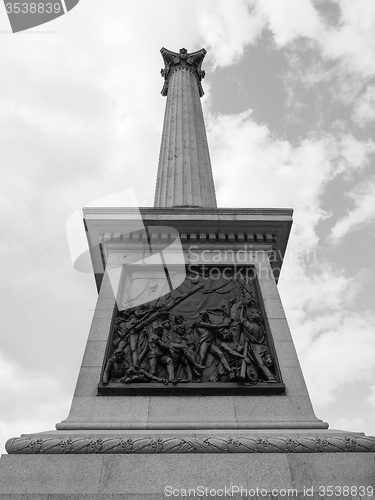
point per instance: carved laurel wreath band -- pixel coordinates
(149, 445)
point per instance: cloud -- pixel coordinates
(291, 19)
(33, 401)
(341, 355)
(276, 172)
(326, 61)
(371, 397)
(227, 27)
(317, 295)
(353, 41)
(364, 109)
(355, 155)
(363, 213)
(355, 424)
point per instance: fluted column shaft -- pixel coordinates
(184, 173)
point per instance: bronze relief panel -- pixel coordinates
(209, 335)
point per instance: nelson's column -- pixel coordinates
(190, 379)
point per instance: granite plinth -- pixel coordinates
(155, 475)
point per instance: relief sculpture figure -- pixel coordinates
(115, 368)
(129, 330)
(181, 347)
(255, 339)
(134, 375)
(207, 333)
(158, 353)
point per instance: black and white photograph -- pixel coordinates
(188, 219)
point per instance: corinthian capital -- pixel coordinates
(182, 60)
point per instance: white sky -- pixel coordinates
(289, 109)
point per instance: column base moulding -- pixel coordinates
(132, 444)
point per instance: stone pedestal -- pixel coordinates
(155, 446)
(253, 465)
(210, 237)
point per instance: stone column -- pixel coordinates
(184, 173)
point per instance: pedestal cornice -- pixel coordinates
(265, 229)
